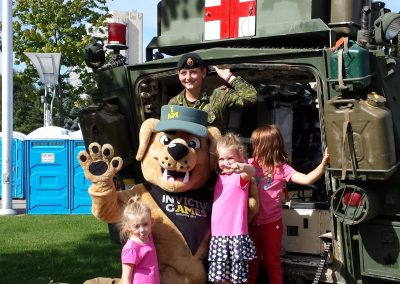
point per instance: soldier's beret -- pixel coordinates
(190, 60)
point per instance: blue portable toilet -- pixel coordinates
(47, 171)
(81, 202)
(17, 164)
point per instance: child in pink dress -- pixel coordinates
(272, 172)
(230, 245)
(138, 256)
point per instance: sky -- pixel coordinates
(149, 10)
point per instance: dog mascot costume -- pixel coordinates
(177, 159)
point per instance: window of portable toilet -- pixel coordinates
(81, 202)
(47, 171)
(17, 164)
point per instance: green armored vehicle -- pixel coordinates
(327, 73)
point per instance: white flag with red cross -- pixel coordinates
(225, 19)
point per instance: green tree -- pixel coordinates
(27, 108)
(50, 26)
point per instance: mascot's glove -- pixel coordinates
(100, 165)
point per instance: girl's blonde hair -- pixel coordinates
(134, 210)
(268, 147)
(232, 141)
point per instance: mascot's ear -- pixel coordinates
(146, 130)
(213, 135)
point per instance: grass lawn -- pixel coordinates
(56, 248)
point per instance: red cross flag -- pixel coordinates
(229, 19)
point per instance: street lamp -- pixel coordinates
(48, 67)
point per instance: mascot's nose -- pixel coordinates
(177, 150)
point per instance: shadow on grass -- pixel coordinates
(74, 262)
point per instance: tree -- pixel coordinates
(58, 26)
(27, 108)
(26, 119)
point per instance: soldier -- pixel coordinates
(237, 93)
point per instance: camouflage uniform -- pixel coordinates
(222, 99)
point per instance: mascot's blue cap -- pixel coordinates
(181, 118)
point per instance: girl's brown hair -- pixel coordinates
(231, 140)
(268, 147)
(134, 209)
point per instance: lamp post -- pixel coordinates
(7, 109)
(48, 67)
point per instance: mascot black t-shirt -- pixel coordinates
(190, 211)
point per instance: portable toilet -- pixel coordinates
(17, 164)
(47, 171)
(81, 202)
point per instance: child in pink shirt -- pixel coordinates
(230, 245)
(272, 172)
(138, 256)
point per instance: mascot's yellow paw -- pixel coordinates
(99, 165)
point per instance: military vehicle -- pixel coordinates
(327, 73)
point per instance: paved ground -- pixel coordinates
(19, 205)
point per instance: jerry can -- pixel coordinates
(355, 70)
(369, 135)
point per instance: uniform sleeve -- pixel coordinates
(173, 101)
(241, 94)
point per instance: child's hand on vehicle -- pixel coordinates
(325, 159)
